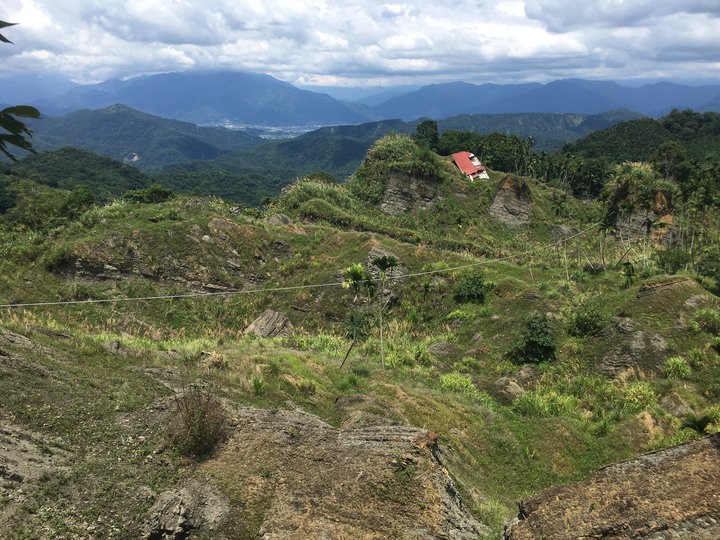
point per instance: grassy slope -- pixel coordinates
(570, 423)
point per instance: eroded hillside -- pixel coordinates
(519, 354)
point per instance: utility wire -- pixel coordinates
(292, 287)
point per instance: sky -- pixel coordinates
(370, 43)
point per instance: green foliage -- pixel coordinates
(706, 320)
(455, 382)
(16, 133)
(699, 423)
(258, 385)
(543, 403)
(638, 396)
(427, 135)
(537, 340)
(57, 257)
(198, 424)
(709, 263)
(393, 154)
(471, 287)
(151, 195)
(636, 186)
(587, 319)
(673, 260)
(677, 367)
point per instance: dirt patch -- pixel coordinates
(27, 459)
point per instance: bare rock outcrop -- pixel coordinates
(307, 479)
(270, 324)
(405, 193)
(672, 493)
(513, 203)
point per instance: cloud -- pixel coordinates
(369, 43)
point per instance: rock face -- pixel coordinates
(657, 223)
(307, 479)
(632, 350)
(405, 194)
(672, 493)
(270, 324)
(513, 203)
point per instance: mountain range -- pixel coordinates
(258, 99)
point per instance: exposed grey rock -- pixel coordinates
(512, 206)
(509, 388)
(113, 346)
(270, 324)
(632, 350)
(177, 512)
(404, 193)
(443, 349)
(278, 220)
(392, 273)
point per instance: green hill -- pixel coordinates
(147, 142)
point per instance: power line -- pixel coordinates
(291, 287)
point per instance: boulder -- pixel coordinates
(270, 324)
(177, 512)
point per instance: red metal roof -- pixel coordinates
(464, 161)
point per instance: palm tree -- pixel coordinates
(356, 278)
(383, 263)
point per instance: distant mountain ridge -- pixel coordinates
(148, 142)
(257, 99)
(564, 96)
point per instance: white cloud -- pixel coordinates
(374, 42)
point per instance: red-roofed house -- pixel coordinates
(470, 165)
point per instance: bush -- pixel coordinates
(706, 320)
(470, 287)
(545, 403)
(638, 396)
(677, 368)
(537, 342)
(456, 383)
(587, 320)
(199, 423)
(152, 195)
(672, 260)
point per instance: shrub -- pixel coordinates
(470, 287)
(152, 195)
(199, 423)
(638, 396)
(587, 320)
(699, 423)
(457, 383)
(545, 403)
(258, 384)
(707, 320)
(537, 342)
(672, 260)
(677, 368)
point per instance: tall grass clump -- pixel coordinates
(198, 424)
(677, 367)
(543, 403)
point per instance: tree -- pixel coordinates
(357, 279)
(384, 264)
(16, 133)
(427, 134)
